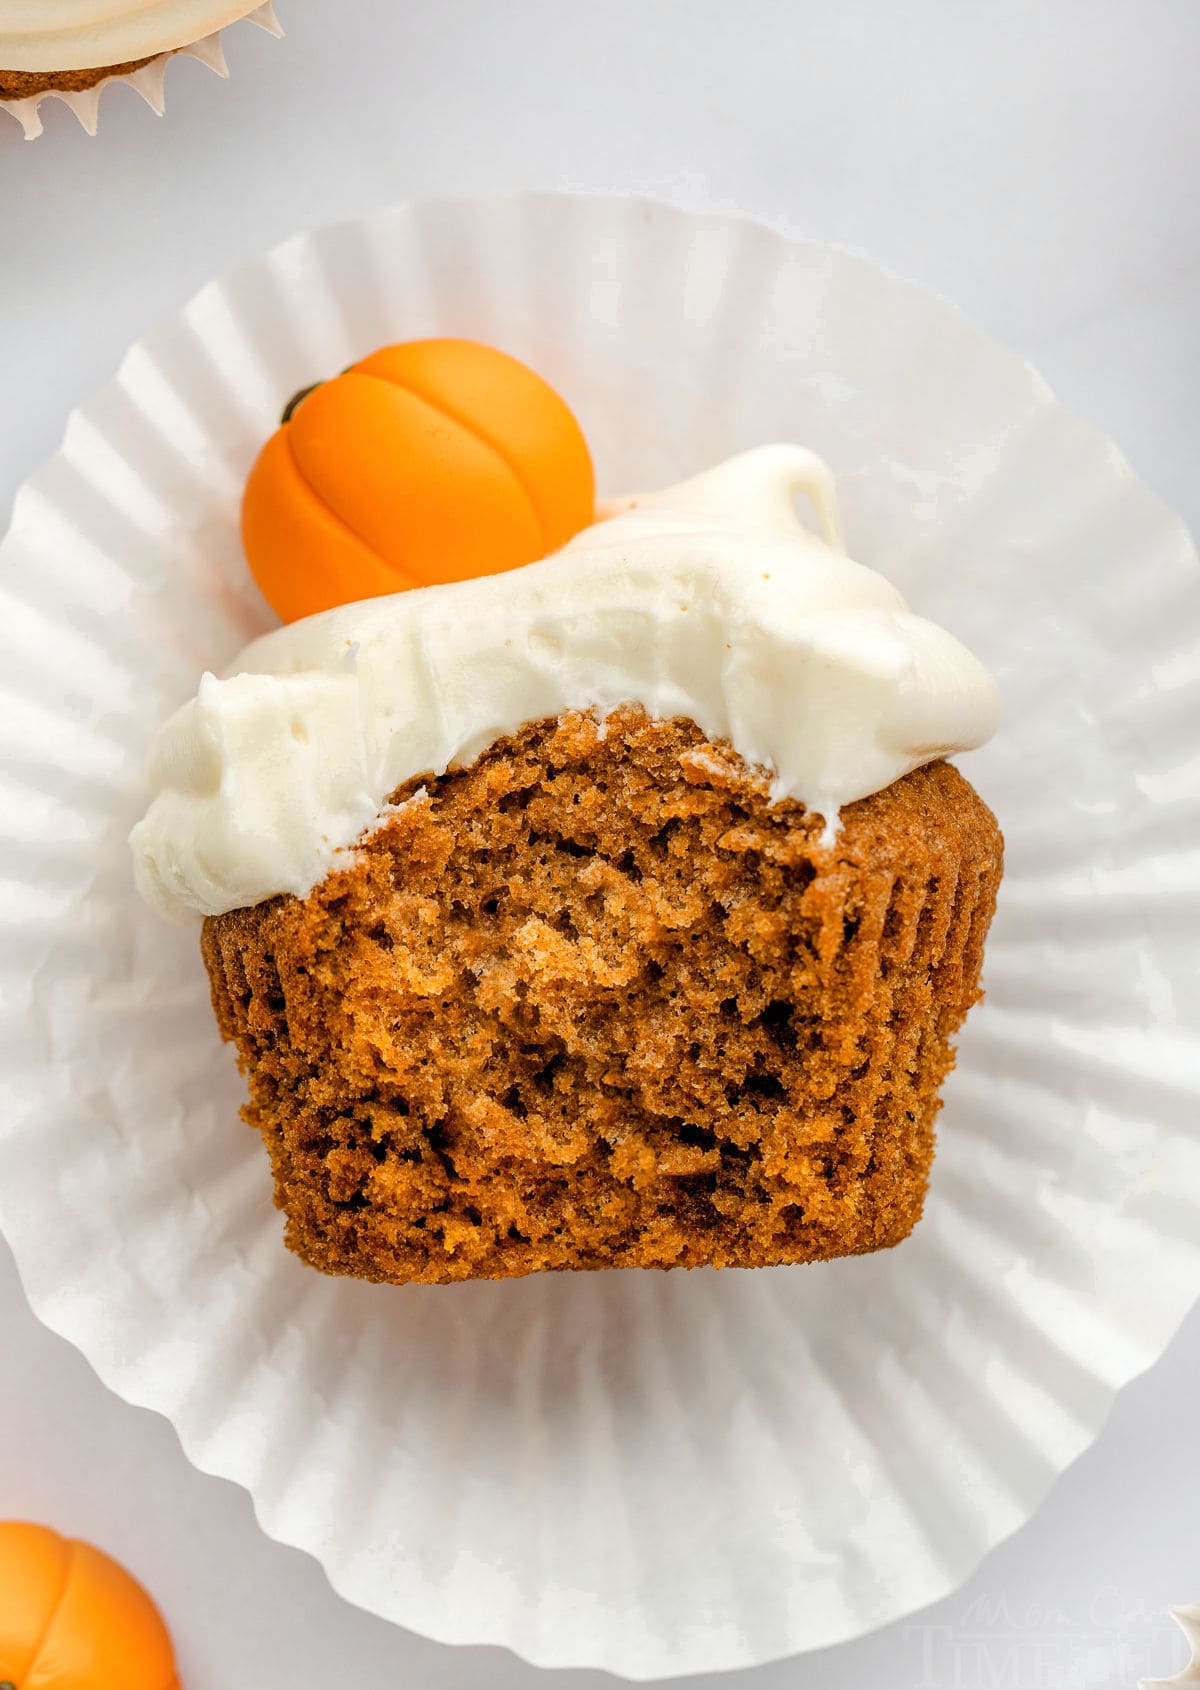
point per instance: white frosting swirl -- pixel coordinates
(45, 35)
(710, 600)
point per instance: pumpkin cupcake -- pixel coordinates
(612, 909)
(72, 57)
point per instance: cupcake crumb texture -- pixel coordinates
(595, 1001)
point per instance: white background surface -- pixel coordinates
(1034, 162)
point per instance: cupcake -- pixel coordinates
(615, 910)
(95, 42)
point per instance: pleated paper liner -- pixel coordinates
(649, 1473)
(149, 80)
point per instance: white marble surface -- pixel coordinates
(1036, 163)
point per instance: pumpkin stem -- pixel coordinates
(296, 399)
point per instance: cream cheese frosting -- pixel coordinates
(46, 35)
(709, 600)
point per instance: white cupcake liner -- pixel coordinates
(1187, 1619)
(148, 81)
(654, 1474)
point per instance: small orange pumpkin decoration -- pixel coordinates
(72, 1619)
(435, 460)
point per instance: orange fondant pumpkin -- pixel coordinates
(72, 1619)
(431, 461)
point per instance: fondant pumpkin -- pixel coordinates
(435, 460)
(72, 1619)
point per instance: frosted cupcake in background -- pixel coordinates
(72, 50)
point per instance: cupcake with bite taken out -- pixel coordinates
(586, 889)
